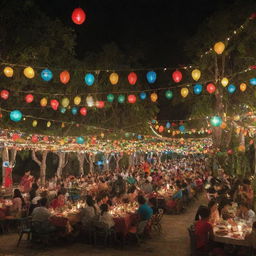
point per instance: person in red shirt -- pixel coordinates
(58, 202)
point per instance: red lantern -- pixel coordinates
(29, 98)
(230, 151)
(209, 131)
(252, 67)
(253, 16)
(100, 104)
(34, 139)
(83, 111)
(161, 128)
(4, 94)
(211, 88)
(132, 99)
(93, 140)
(174, 124)
(132, 78)
(54, 104)
(45, 138)
(64, 77)
(15, 136)
(177, 76)
(78, 16)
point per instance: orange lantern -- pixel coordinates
(64, 77)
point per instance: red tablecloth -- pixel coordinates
(123, 224)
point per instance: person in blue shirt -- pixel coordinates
(178, 194)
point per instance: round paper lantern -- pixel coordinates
(100, 104)
(48, 124)
(177, 76)
(132, 78)
(78, 16)
(219, 47)
(211, 88)
(54, 104)
(46, 75)
(132, 99)
(64, 77)
(151, 77)
(34, 123)
(80, 140)
(8, 71)
(29, 72)
(113, 78)
(83, 111)
(196, 74)
(253, 81)
(89, 101)
(15, 115)
(63, 110)
(29, 98)
(89, 79)
(139, 137)
(231, 88)
(4, 94)
(110, 97)
(223, 125)
(121, 98)
(168, 94)
(224, 81)
(45, 138)
(157, 127)
(198, 89)
(34, 139)
(127, 134)
(74, 110)
(143, 95)
(184, 92)
(216, 121)
(161, 128)
(182, 128)
(15, 136)
(77, 100)
(236, 117)
(43, 102)
(153, 97)
(243, 87)
(168, 125)
(241, 148)
(65, 102)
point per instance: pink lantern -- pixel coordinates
(177, 76)
(83, 111)
(34, 139)
(161, 128)
(4, 94)
(45, 138)
(100, 104)
(54, 104)
(132, 99)
(29, 98)
(132, 78)
(15, 136)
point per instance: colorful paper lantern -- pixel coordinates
(216, 121)
(131, 98)
(29, 72)
(198, 89)
(177, 76)
(8, 71)
(121, 98)
(224, 81)
(196, 74)
(83, 111)
(153, 97)
(45, 138)
(231, 88)
(143, 95)
(43, 102)
(89, 79)
(223, 125)
(54, 104)
(65, 102)
(78, 16)
(210, 88)
(77, 100)
(46, 75)
(132, 78)
(15, 136)
(161, 129)
(48, 124)
(168, 125)
(182, 128)
(63, 110)
(5, 94)
(80, 140)
(236, 117)
(64, 77)
(100, 104)
(74, 110)
(253, 81)
(219, 47)
(113, 78)
(110, 97)
(34, 139)
(29, 98)
(89, 101)
(241, 148)
(184, 92)
(168, 94)
(15, 115)
(243, 87)
(34, 123)
(151, 77)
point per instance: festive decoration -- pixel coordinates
(219, 47)
(224, 81)
(83, 111)
(29, 98)
(15, 115)
(131, 98)
(77, 100)
(182, 128)
(168, 125)
(161, 128)
(4, 94)
(78, 16)
(89, 79)
(8, 71)
(223, 125)
(211, 88)
(46, 75)
(74, 110)
(29, 72)
(48, 124)
(110, 97)
(121, 98)
(34, 139)
(80, 140)
(177, 76)
(236, 117)
(62, 110)
(54, 104)
(65, 102)
(132, 78)
(113, 78)
(64, 77)
(168, 94)
(253, 81)
(151, 77)
(184, 92)
(143, 95)
(34, 123)
(241, 148)
(15, 136)
(153, 97)
(198, 89)
(216, 121)
(243, 87)
(43, 102)
(231, 88)
(100, 104)
(89, 101)
(196, 74)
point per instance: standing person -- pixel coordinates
(26, 182)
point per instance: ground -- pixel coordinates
(174, 241)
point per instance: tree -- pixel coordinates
(63, 160)
(41, 163)
(81, 158)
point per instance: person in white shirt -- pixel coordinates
(246, 213)
(105, 217)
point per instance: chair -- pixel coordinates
(156, 221)
(193, 249)
(25, 229)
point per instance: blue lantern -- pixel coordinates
(168, 125)
(231, 88)
(216, 121)
(253, 81)
(46, 75)
(62, 110)
(153, 121)
(74, 110)
(198, 89)
(143, 95)
(15, 115)
(89, 79)
(182, 128)
(80, 140)
(151, 77)
(139, 137)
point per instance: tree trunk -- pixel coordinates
(81, 157)
(90, 158)
(63, 160)
(118, 157)
(42, 164)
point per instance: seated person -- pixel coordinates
(246, 213)
(147, 187)
(18, 203)
(58, 202)
(178, 194)
(89, 212)
(105, 217)
(214, 212)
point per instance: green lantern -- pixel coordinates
(168, 94)
(121, 98)
(216, 121)
(110, 97)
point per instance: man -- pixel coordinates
(41, 213)
(246, 213)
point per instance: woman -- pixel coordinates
(18, 203)
(214, 212)
(58, 202)
(105, 217)
(89, 212)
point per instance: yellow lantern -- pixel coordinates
(237, 130)
(65, 102)
(153, 97)
(236, 117)
(243, 87)
(102, 135)
(196, 74)
(157, 127)
(241, 148)
(77, 100)
(113, 78)
(8, 71)
(48, 124)
(224, 81)
(34, 123)
(223, 125)
(89, 101)
(62, 142)
(219, 47)
(184, 92)
(169, 131)
(62, 125)
(29, 72)
(43, 102)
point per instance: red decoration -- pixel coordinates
(83, 111)
(29, 98)
(100, 104)
(15, 136)
(177, 76)
(45, 138)
(64, 77)
(230, 151)
(253, 16)
(209, 131)
(1, 115)
(174, 124)
(54, 104)
(252, 67)
(93, 140)
(78, 16)
(161, 128)
(4, 94)
(131, 98)
(211, 88)
(132, 78)
(34, 139)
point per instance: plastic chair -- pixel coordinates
(25, 229)
(156, 221)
